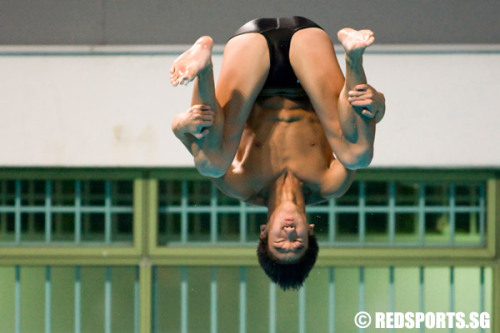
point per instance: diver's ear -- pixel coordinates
(263, 230)
(311, 229)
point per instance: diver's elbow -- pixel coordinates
(358, 160)
(210, 169)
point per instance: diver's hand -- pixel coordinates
(372, 101)
(196, 121)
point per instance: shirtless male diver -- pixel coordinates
(268, 132)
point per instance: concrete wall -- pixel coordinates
(114, 106)
(105, 22)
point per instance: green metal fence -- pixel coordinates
(138, 250)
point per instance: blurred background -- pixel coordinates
(105, 226)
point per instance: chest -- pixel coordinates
(271, 150)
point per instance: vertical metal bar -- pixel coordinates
(243, 299)
(184, 206)
(331, 301)
(302, 310)
(481, 290)
(107, 301)
(17, 305)
(272, 307)
(107, 212)
(47, 300)
(421, 290)
(495, 311)
(57, 219)
(213, 214)
(332, 221)
(421, 214)
(147, 295)
(243, 222)
(481, 294)
(213, 300)
(361, 291)
(30, 196)
(452, 203)
(3, 219)
(452, 293)
(78, 303)
(392, 212)
(154, 301)
(17, 216)
(78, 211)
(137, 297)
(361, 217)
(391, 293)
(184, 299)
(482, 214)
(48, 212)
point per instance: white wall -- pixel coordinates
(100, 107)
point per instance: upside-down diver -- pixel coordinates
(283, 128)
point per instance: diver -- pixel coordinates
(283, 127)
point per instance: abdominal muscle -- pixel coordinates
(281, 136)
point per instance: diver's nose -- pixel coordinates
(290, 232)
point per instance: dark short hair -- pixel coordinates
(288, 275)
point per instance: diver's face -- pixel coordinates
(288, 234)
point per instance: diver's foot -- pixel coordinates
(355, 41)
(192, 62)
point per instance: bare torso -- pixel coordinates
(281, 136)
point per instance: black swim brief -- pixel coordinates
(278, 33)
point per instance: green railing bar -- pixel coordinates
(137, 298)
(331, 301)
(184, 206)
(69, 209)
(361, 287)
(481, 293)
(452, 293)
(312, 209)
(391, 293)
(107, 302)
(107, 212)
(78, 300)
(17, 302)
(361, 210)
(78, 212)
(258, 209)
(17, 220)
(392, 212)
(213, 214)
(331, 220)
(302, 310)
(421, 290)
(243, 299)
(3, 193)
(48, 300)
(184, 299)
(154, 299)
(48, 213)
(243, 222)
(272, 307)
(482, 214)
(336, 244)
(207, 209)
(213, 300)
(452, 288)
(421, 214)
(452, 212)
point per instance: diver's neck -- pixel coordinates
(287, 189)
